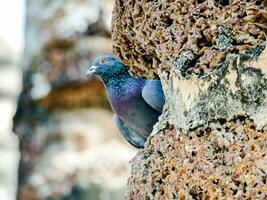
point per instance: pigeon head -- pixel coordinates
(107, 67)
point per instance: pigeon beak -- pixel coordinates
(91, 71)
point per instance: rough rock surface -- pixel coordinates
(211, 56)
(225, 160)
(156, 34)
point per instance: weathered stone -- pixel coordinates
(211, 56)
(230, 91)
(225, 160)
(149, 35)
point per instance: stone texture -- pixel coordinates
(225, 160)
(155, 34)
(232, 90)
(210, 142)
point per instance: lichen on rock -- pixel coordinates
(229, 91)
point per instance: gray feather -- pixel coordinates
(153, 94)
(129, 134)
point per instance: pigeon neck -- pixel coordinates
(114, 80)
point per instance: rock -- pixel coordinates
(221, 161)
(211, 59)
(150, 36)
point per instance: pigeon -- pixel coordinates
(137, 103)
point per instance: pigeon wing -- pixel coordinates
(129, 134)
(153, 94)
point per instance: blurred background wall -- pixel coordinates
(11, 46)
(68, 145)
(9, 89)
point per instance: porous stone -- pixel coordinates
(150, 35)
(235, 89)
(225, 160)
(211, 57)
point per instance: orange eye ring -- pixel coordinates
(103, 61)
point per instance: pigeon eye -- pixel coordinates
(103, 61)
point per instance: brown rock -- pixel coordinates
(154, 33)
(210, 142)
(222, 161)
